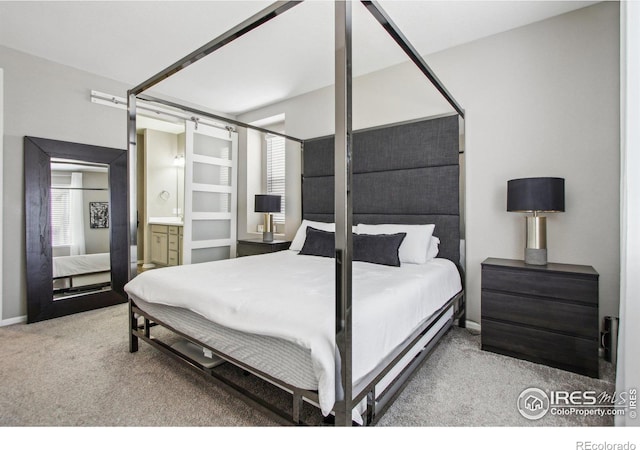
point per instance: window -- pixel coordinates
(276, 172)
(60, 209)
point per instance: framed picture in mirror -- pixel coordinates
(99, 215)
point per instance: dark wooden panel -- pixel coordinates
(38, 229)
(546, 313)
(568, 286)
(118, 189)
(554, 349)
(550, 267)
(255, 247)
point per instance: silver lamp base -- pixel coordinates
(267, 235)
(535, 256)
(535, 252)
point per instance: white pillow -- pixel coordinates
(415, 244)
(433, 248)
(301, 234)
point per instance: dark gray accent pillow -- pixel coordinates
(378, 248)
(371, 248)
(319, 243)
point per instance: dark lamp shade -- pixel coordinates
(267, 203)
(535, 194)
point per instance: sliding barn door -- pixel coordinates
(210, 201)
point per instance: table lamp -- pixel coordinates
(535, 196)
(267, 204)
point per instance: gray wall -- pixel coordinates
(540, 100)
(250, 166)
(161, 175)
(48, 100)
(96, 239)
(1, 187)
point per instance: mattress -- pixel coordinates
(290, 297)
(65, 266)
(277, 357)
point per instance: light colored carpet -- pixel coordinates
(77, 371)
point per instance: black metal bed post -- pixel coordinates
(133, 212)
(234, 33)
(394, 31)
(343, 211)
(383, 18)
(226, 120)
(462, 135)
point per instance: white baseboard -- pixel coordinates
(13, 321)
(473, 326)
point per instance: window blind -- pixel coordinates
(60, 227)
(276, 172)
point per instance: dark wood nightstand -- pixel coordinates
(248, 247)
(544, 314)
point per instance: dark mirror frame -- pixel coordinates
(37, 184)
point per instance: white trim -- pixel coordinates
(628, 362)
(13, 321)
(212, 160)
(211, 216)
(211, 243)
(473, 326)
(215, 188)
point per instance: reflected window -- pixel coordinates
(276, 172)
(60, 232)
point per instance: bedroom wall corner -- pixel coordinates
(1, 189)
(540, 100)
(543, 101)
(293, 169)
(49, 100)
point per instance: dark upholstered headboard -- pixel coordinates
(405, 173)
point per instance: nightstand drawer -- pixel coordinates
(546, 347)
(248, 247)
(571, 318)
(545, 284)
(245, 249)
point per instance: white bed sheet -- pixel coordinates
(291, 296)
(66, 266)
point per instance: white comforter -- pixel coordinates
(291, 296)
(66, 266)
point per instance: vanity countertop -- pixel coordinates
(174, 221)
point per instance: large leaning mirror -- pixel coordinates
(76, 227)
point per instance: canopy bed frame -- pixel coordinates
(329, 178)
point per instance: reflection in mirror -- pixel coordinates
(79, 228)
(104, 204)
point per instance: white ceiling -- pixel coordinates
(288, 56)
